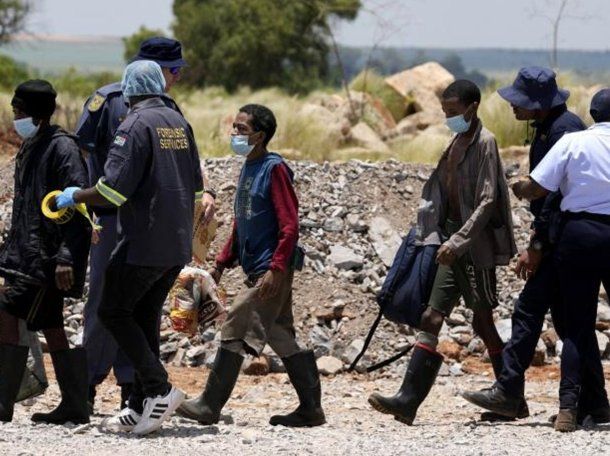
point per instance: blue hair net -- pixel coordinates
(142, 77)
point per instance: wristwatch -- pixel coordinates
(211, 192)
(536, 245)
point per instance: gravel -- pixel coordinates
(446, 424)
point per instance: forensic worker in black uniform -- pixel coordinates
(579, 166)
(153, 175)
(103, 113)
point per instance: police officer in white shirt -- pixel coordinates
(579, 166)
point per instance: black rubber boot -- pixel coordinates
(126, 389)
(13, 359)
(207, 406)
(303, 374)
(497, 364)
(71, 372)
(419, 378)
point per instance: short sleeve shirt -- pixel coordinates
(153, 174)
(579, 166)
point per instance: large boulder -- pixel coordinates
(336, 125)
(364, 136)
(359, 106)
(422, 87)
(428, 77)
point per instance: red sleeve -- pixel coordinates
(287, 211)
(226, 258)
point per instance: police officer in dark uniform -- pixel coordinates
(534, 96)
(153, 175)
(103, 113)
(579, 165)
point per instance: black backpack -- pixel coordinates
(405, 292)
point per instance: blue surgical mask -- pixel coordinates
(239, 144)
(458, 124)
(25, 127)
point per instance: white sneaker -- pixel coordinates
(124, 421)
(157, 410)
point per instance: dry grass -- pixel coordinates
(305, 136)
(211, 113)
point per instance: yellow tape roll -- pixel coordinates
(59, 216)
(64, 214)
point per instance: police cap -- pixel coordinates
(165, 51)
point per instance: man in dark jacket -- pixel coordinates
(535, 97)
(153, 175)
(41, 261)
(103, 113)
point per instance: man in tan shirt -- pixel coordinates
(465, 209)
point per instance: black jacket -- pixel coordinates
(35, 245)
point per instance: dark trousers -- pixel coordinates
(540, 293)
(103, 352)
(131, 310)
(583, 262)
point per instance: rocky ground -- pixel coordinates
(352, 217)
(446, 423)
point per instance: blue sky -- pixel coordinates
(421, 23)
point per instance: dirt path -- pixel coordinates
(446, 424)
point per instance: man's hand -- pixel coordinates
(66, 198)
(529, 189)
(209, 207)
(216, 273)
(518, 189)
(528, 263)
(64, 277)
(445, 255)
(269, 285)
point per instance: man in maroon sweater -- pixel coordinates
(263, 242)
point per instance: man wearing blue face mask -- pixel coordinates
(466, 209)
(41, 261)
(264, 243)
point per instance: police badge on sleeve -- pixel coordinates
(96, 102)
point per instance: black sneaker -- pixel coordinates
(495, 400)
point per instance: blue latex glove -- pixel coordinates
(66, 198)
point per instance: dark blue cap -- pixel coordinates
(600, 106)
(165, 51)
(535, 88)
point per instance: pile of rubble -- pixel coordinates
(352, 218)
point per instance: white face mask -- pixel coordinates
(25, 127)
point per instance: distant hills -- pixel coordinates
(88, 54)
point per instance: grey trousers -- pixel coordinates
(35, 376)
